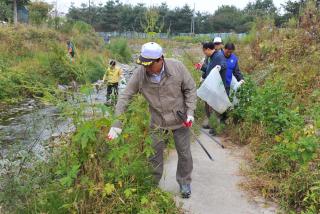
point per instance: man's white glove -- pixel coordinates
(114, 133)
(236, 85)
(189, 121)
(190, 118)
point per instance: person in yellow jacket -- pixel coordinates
(112, 77)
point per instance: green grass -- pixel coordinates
(89, 174)
(279, 117)
(34, 61)
(120, 50)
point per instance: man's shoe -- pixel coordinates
(185, 190)
(212, 132)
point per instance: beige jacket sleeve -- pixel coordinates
(189, 90)
(124, 98)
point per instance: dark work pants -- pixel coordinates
(182, 143)
(220, 117)
(112, 88)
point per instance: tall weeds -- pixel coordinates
(34, 60)
(278, 116)
(89, 174)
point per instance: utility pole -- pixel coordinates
(194, 16)
(193, 19)
(90, 18)
(15, 12)
(56, 15)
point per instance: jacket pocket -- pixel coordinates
(177, 118)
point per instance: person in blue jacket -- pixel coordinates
(232, 66)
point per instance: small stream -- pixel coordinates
(27, 128)
(29, 122)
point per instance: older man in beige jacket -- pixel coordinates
(168, 87)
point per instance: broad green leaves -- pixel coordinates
(86, 134)
(72, 174)
(108, 189)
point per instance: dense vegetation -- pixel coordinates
(88, 174)
(34, 61)
(85, 173)
(278, 117)
(279, 113)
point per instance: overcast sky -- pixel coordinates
(201, 5)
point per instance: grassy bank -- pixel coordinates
(278, 119)
(33, 61)
(86, 173)
(89, 174)
(279, 116)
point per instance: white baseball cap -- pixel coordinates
(150, 52)
(217, 40)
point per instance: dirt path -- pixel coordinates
(215, 184)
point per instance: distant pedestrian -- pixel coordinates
(71, 50)
(112, 77)
(107, 39)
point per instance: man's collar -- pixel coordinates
(164, 69)
(228, 56)
(225, 55)
(161, 72)
(213, 54)
(167, 71)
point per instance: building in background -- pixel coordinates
(23, 14)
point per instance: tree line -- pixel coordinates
(117, 16)
(121, 17)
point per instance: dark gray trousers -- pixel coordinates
(182, 143)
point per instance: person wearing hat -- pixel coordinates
(112, 77)
(168, 87)
(217, 41)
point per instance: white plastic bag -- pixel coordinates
(213, 92)
(122, 85)
(234, 86)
